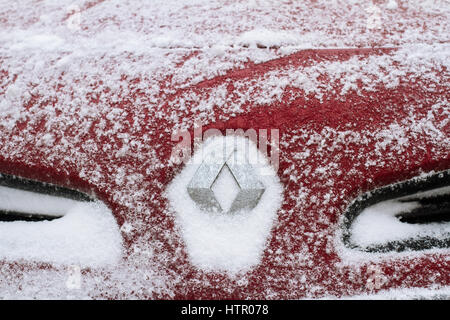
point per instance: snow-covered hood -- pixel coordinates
(91, 93)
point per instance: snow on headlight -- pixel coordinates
(49, 224)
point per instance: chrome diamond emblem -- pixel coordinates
(226, 200)
(250, 188)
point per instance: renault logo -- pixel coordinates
(250, 188)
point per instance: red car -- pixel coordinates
(129, 133)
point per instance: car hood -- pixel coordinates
(91, 94)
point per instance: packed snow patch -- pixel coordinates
(87, 235)
(378, 223)
(17, 200)
(70, 79)
(222, 241)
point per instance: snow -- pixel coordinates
(433, 293)
(31, 202)
(392, 5)
(225, 188)
(269, 38)
(217, 242)
(78, 83)
(378, 224)
(87, 235)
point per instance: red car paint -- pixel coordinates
(300, 228)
